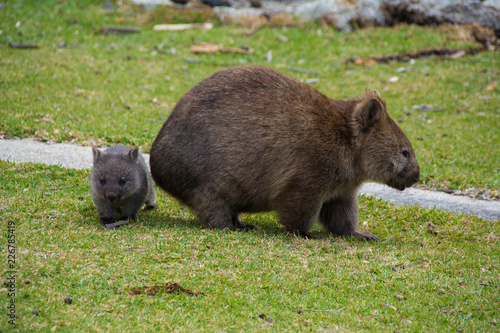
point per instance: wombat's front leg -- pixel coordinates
(340, 216)
(106, 212)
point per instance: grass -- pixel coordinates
(449, 280)
(84, 87)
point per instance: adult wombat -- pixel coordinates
(250, 139)
(120, 182)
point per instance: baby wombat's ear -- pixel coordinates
(133, 154)
(96, 153)
(371, 112)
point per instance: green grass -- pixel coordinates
(303, 285)
(109, 89)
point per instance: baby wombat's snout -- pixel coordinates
(250, 139)
(112, 197)
(120, 182)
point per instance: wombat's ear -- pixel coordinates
(95, 153)
(372, 112)
(133, 154)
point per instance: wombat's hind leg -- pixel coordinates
(212, 210)
(297, 233)
(340, 217)
(238, 224)
(151, 198)
(297, 214)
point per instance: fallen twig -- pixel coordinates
(442, 53)
(109, 226)
(119, 30)
(213, 48)
(23, 46)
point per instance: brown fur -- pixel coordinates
(250, 139)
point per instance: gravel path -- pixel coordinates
(77, 157)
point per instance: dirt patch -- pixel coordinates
(168, 288)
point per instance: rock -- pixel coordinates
(350, 14)
(485, 13)
(255, 3)
(216, 3)
(345, 15)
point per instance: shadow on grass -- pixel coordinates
(266, 224)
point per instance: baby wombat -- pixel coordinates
(120, 182)
(250, 139)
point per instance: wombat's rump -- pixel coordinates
(251, 139)
(120, 182)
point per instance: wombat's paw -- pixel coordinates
(298, 233)
(365, 235)
(242, 226)
(106, 220)
(150, 207)
(129, 218)
(245, 227)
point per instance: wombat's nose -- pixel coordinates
(111, 197)
(415, 177)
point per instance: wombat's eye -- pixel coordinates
(102, 181)
(122, 181)
(405, 153)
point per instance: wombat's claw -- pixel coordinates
(242, 226)
(365, 235)
(246, 227)
(297, 233)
